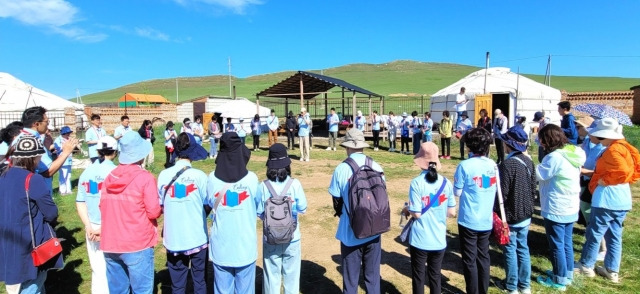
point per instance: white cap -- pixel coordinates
(107, 143)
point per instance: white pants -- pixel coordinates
(304, 147)
(148, 160)
(64, 177)
(98, 266)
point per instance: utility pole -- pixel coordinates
(486, 69)
(78, 97)
(230, 81)
(177, 93)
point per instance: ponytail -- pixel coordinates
(432, 174)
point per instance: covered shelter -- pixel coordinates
(498, 88)
(305, 86)
(16, 96)
(137, 100)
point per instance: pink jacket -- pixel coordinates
(129, 206)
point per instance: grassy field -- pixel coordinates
(320, 250)
(384, 79)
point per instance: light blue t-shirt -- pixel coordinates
(359, 123)
(241, 131)
(375, 123)
(333, 120)
(464, 125)
(89, 186)
(475, 182)
(94, 134)
(612, 197)
(121, 130)
(185, 221)
(233, 233)
(4, 148)
(593, 152)
(339, 187)
(273, 123)
(416, 124)
(295, 192)
(303, 126)
(57, 143)
(428, 127)
(429, 232)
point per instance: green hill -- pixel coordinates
(387, 78)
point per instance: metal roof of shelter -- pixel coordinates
(313, 84)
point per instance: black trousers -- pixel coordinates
(178, 266)
(434, 268)
(474, 246)
(365, 256)
(256, 141)
(168, 162)
(291, 139)
(499, 150)
(461, 150)
(404, 141)
(417, 140)
(446, 143)
(376, 138)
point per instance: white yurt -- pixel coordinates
(16, 96)
(512, 93)
(245, 109)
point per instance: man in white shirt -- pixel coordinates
(500, 127)
(122, 128)
(273, 124)
(461, 105)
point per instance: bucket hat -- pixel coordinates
(428, 153)
(538, 116)
(354, 139)
(404, 114)
(133, 148)
(278, 157)
(516, 138)
(194, 151)
(607, 128)
(65, 130)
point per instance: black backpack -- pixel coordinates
(368, 200)
(278, 224)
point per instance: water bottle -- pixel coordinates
(403, 218)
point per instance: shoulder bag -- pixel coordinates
(500, 226)
(406, 231)
(50, 248)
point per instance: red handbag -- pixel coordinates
(500, 226)
(50, 248)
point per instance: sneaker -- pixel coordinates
(335, 148)
(580, 269)
(548, 282)
(525, 291)
(328, 148)
(611, 276)
(601, 255)
(447, 157)
(301, 159)
(306, 159)
(375, 149)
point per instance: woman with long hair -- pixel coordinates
(559, 179)
(146, 132)
(25, 219)
(256, 131)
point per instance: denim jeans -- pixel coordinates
(234, 279)
(130, 271)
(281, 263)
(458, 119)
(517, 260)
(608, 223)
(34, 286)
(560, 238)
(213, 149)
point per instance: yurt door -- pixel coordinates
(482, 101)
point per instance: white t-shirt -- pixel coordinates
(459, 99)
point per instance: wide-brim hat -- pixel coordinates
(354, 139)
(607, 128)
(133, 148)
(404, 114)
(585, 122)
(516, 138)
(107, 143)
(28, 146)
(233, 156)
(194, 152)
(278, 157)
(428, 153)
(65, 130)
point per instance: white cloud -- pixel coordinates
(237, 6)
(152, 34)
(56, 15)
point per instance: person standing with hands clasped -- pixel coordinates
(616, 169)
(183, 196)
(375, 129)
(281, 249)
(304, 131)
(333, 122)
(93, 134)
(431, 202)
(169, 144)
(291, 125)
(256, 131)
(518, 184)
(274, 124)
(88, 207)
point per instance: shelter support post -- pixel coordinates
(343, 113)
(257, 104)
(301, 92)
(286, 106)
(326, 106)
(353, 104)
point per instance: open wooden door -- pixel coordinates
(482, 101)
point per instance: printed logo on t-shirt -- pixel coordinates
(485, 181)
(181, 191)
(93, 187)
(233, 199)
(435, 199)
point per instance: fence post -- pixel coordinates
(422, 104)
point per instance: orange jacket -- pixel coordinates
(619, 164)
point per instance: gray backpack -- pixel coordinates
(278, 224)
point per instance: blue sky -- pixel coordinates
(64, 45)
